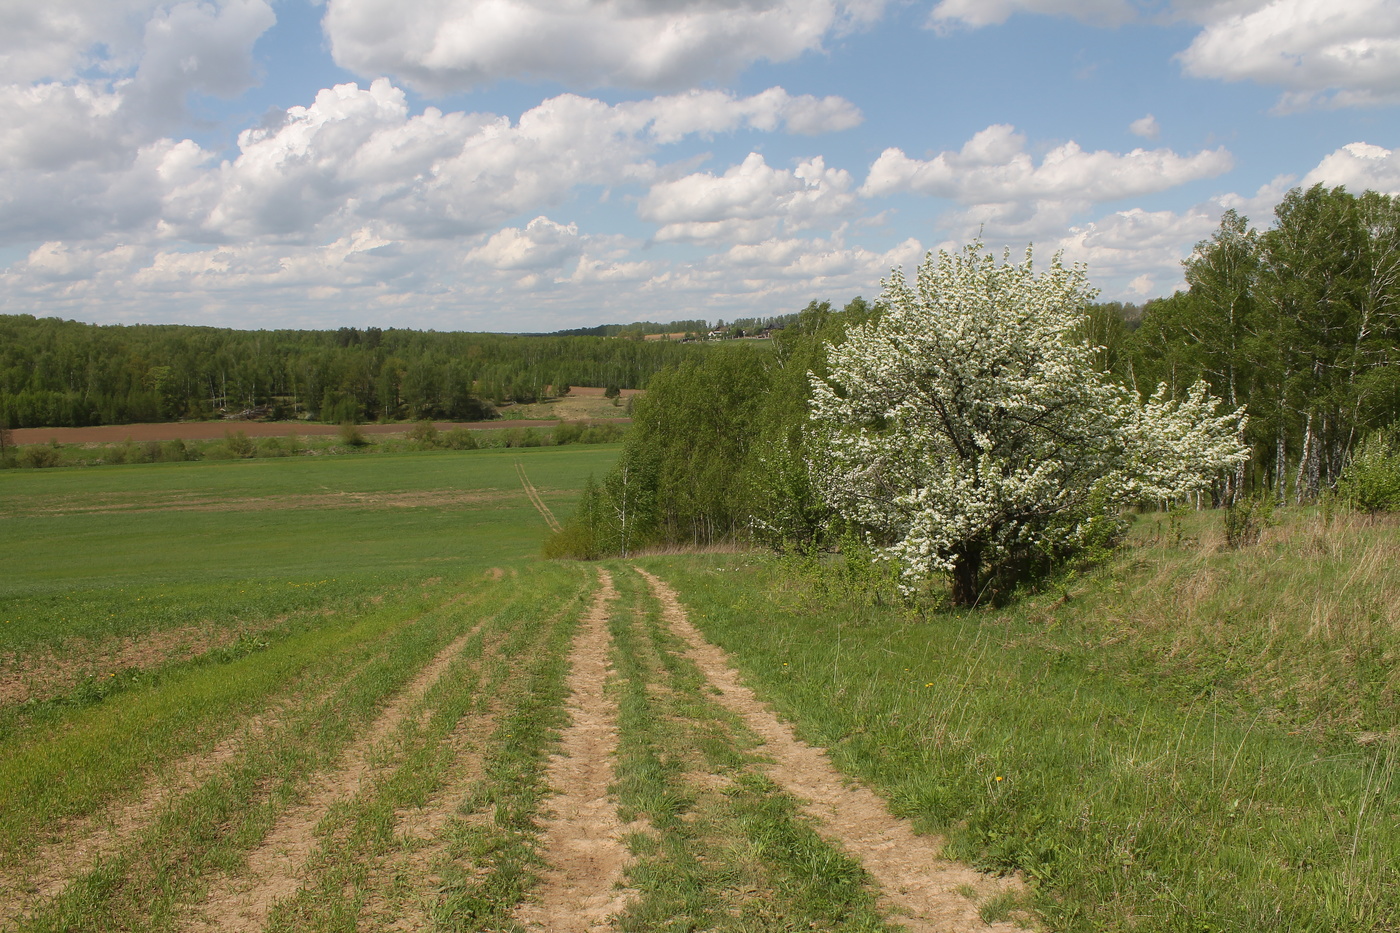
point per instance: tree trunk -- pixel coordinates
(967, 574)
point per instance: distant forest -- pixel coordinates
(56, 373)
(1299, 322)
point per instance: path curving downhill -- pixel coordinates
(924, 891)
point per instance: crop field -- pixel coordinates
(346, 694)
(343, 693)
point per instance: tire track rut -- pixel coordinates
(78, 847)
(274, 867)
(918, 885)
(533, 495)
(583, 839)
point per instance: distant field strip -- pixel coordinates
(188, 502)
(924, 891)
(535, 499)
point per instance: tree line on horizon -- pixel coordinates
(56, 373)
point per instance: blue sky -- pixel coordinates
(526, 165)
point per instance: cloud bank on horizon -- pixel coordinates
(519, 165)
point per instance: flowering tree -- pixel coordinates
(967, 426)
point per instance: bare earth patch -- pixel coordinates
(216, 430)
(583, 839)
(274, 867)
(43, 675)
(925, 891)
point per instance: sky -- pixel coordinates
(534, 165)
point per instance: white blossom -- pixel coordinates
(967, 423)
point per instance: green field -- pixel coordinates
(322, 693)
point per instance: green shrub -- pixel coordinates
(275, 447)
(521, 437)
(239, 445)
(602, 434)
(40, 456)
(460, 439)
(177, 451)
(1371, 481)
(1246, 518)
(424, 435)
(568, 432)
(350, 435)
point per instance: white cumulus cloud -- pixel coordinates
(1360, 167)
(446, 45)
(542, 244)
(1146, 127)
(749, 202)
(1322, 52)
(998, 185)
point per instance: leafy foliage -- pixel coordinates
(1371, 481)
(967, 427)
(717, 450)
(1301, 323)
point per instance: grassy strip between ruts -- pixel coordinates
(492, 855)
(726, 849)
(208, 829)
(351, 880)
(1130, 802)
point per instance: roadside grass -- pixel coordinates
(719, 845)
(1302, 629)
(1188, 739)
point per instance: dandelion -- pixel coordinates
(998, 777)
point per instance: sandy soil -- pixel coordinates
(920, 887)
(42, 675)
(580, 891)
(274, 866)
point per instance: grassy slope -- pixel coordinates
(1194, 740)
